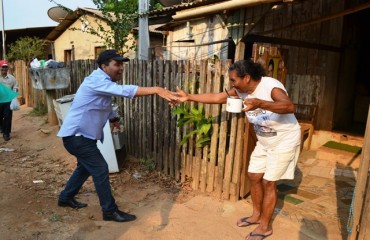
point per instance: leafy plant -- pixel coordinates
(147, 164)
(27, 48)
(39, 111)
(194, 116)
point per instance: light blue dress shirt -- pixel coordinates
(92, 106)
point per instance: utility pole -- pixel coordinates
(143, 52)
(3, 30)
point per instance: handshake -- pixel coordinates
(173, 98)
(180, 96)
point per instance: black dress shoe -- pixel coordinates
(72, 203)
(118, 216)
(6, 137)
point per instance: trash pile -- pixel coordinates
(46, 64)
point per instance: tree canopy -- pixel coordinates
(27, 48)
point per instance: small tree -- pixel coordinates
(27, 48)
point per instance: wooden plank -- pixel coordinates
(230, 157)
(292, 87)
(223, 134)
(215, 129)
(155, 116)
(125, 113)
(191, 141)
(178, 162)
(250, 140)
(133, 112)
(149, 112)
(198, 152)
(165, 122)
(144, 115)
(205, 87)
(234, 189)
(189, 154)
(203, 170)
(196, 169)
(139, 129)
(173, 128)
(360, 193)
(365, 216)
(129, 113)
(160, 119)
(184, 161)
(238, 159)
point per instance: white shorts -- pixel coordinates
(275, 164)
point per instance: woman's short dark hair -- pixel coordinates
(244, 67)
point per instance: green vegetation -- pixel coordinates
(202, 125)
(52, 216)
(27, 48)
(343, 147)
(147, 164)
(38, 111)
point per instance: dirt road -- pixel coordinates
(34, 167)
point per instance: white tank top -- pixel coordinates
(273, 130)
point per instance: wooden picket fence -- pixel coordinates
(152, 134)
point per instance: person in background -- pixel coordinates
(6, 114)
(83, 127)
(268, 107)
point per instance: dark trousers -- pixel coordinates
(6, 118)
(90, 162)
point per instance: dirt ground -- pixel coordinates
(34, 167)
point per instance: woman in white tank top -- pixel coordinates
(268, 107)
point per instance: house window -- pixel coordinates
(98, 50)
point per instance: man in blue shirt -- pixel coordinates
(83, 126)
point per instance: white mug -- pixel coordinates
(234, 105)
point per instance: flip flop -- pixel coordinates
(251, 234)
(247, 223)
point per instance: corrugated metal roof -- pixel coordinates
(182, 6)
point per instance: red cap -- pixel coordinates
(4, 63)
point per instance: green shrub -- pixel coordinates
(202, 126)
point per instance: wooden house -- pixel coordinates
(316, 47)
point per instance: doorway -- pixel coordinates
(353, 96)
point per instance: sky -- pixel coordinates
(19, 14)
